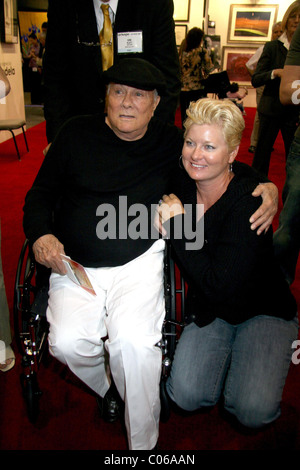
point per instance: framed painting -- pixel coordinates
(251, 23)
(213, 44)
(234, 61)
(180, 33)
(9, 21)
(181, 10)
(30, 22)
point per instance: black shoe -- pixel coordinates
(110, 405)
(251, 149)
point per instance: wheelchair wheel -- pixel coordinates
(31, 394)
(30, 325)
(175, 291)
(24, 294)
(30, 304)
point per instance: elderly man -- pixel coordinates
(91, 164)
(74, 60)
(97, 174)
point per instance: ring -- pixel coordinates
(160, 202)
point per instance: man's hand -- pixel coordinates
(263, 217)
(277, 73)
(47, 250)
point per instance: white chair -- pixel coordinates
(9, 125)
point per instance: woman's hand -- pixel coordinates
(168, 207)
(47, 250)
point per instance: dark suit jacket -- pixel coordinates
(273, 57)
(72, 62)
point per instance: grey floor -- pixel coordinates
(34, 113)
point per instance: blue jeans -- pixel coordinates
(248, 362)
(287, 236)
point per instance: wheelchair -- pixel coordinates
(175, 289)
(31, 326)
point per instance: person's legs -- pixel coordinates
(261, 357)
(135, 313)
(128, 308)
(5, 331)
(7, 356)
(200, 365)
(77, 325)
(287, 237)
(288, 128)
(254, 133)
(268, 131)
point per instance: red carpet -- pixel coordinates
(69, 418)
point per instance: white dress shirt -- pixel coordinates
(113, 4)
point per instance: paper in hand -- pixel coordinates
(77, 274)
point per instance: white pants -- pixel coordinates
(126, 316)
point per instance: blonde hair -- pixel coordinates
(295, 6)
(223, 113)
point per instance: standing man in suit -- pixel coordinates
(273, 116)
(287, 236)
(251, 66)
(73, 60)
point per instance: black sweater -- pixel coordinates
(234, 276)
(87, 166)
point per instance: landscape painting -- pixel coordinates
(248, 23)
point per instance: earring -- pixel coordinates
(230, 167)
(180, 163)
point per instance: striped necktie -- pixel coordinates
(106, 39)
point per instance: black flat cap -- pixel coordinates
(138, 73)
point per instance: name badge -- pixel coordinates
(130, 42)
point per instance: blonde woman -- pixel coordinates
(241, 314)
